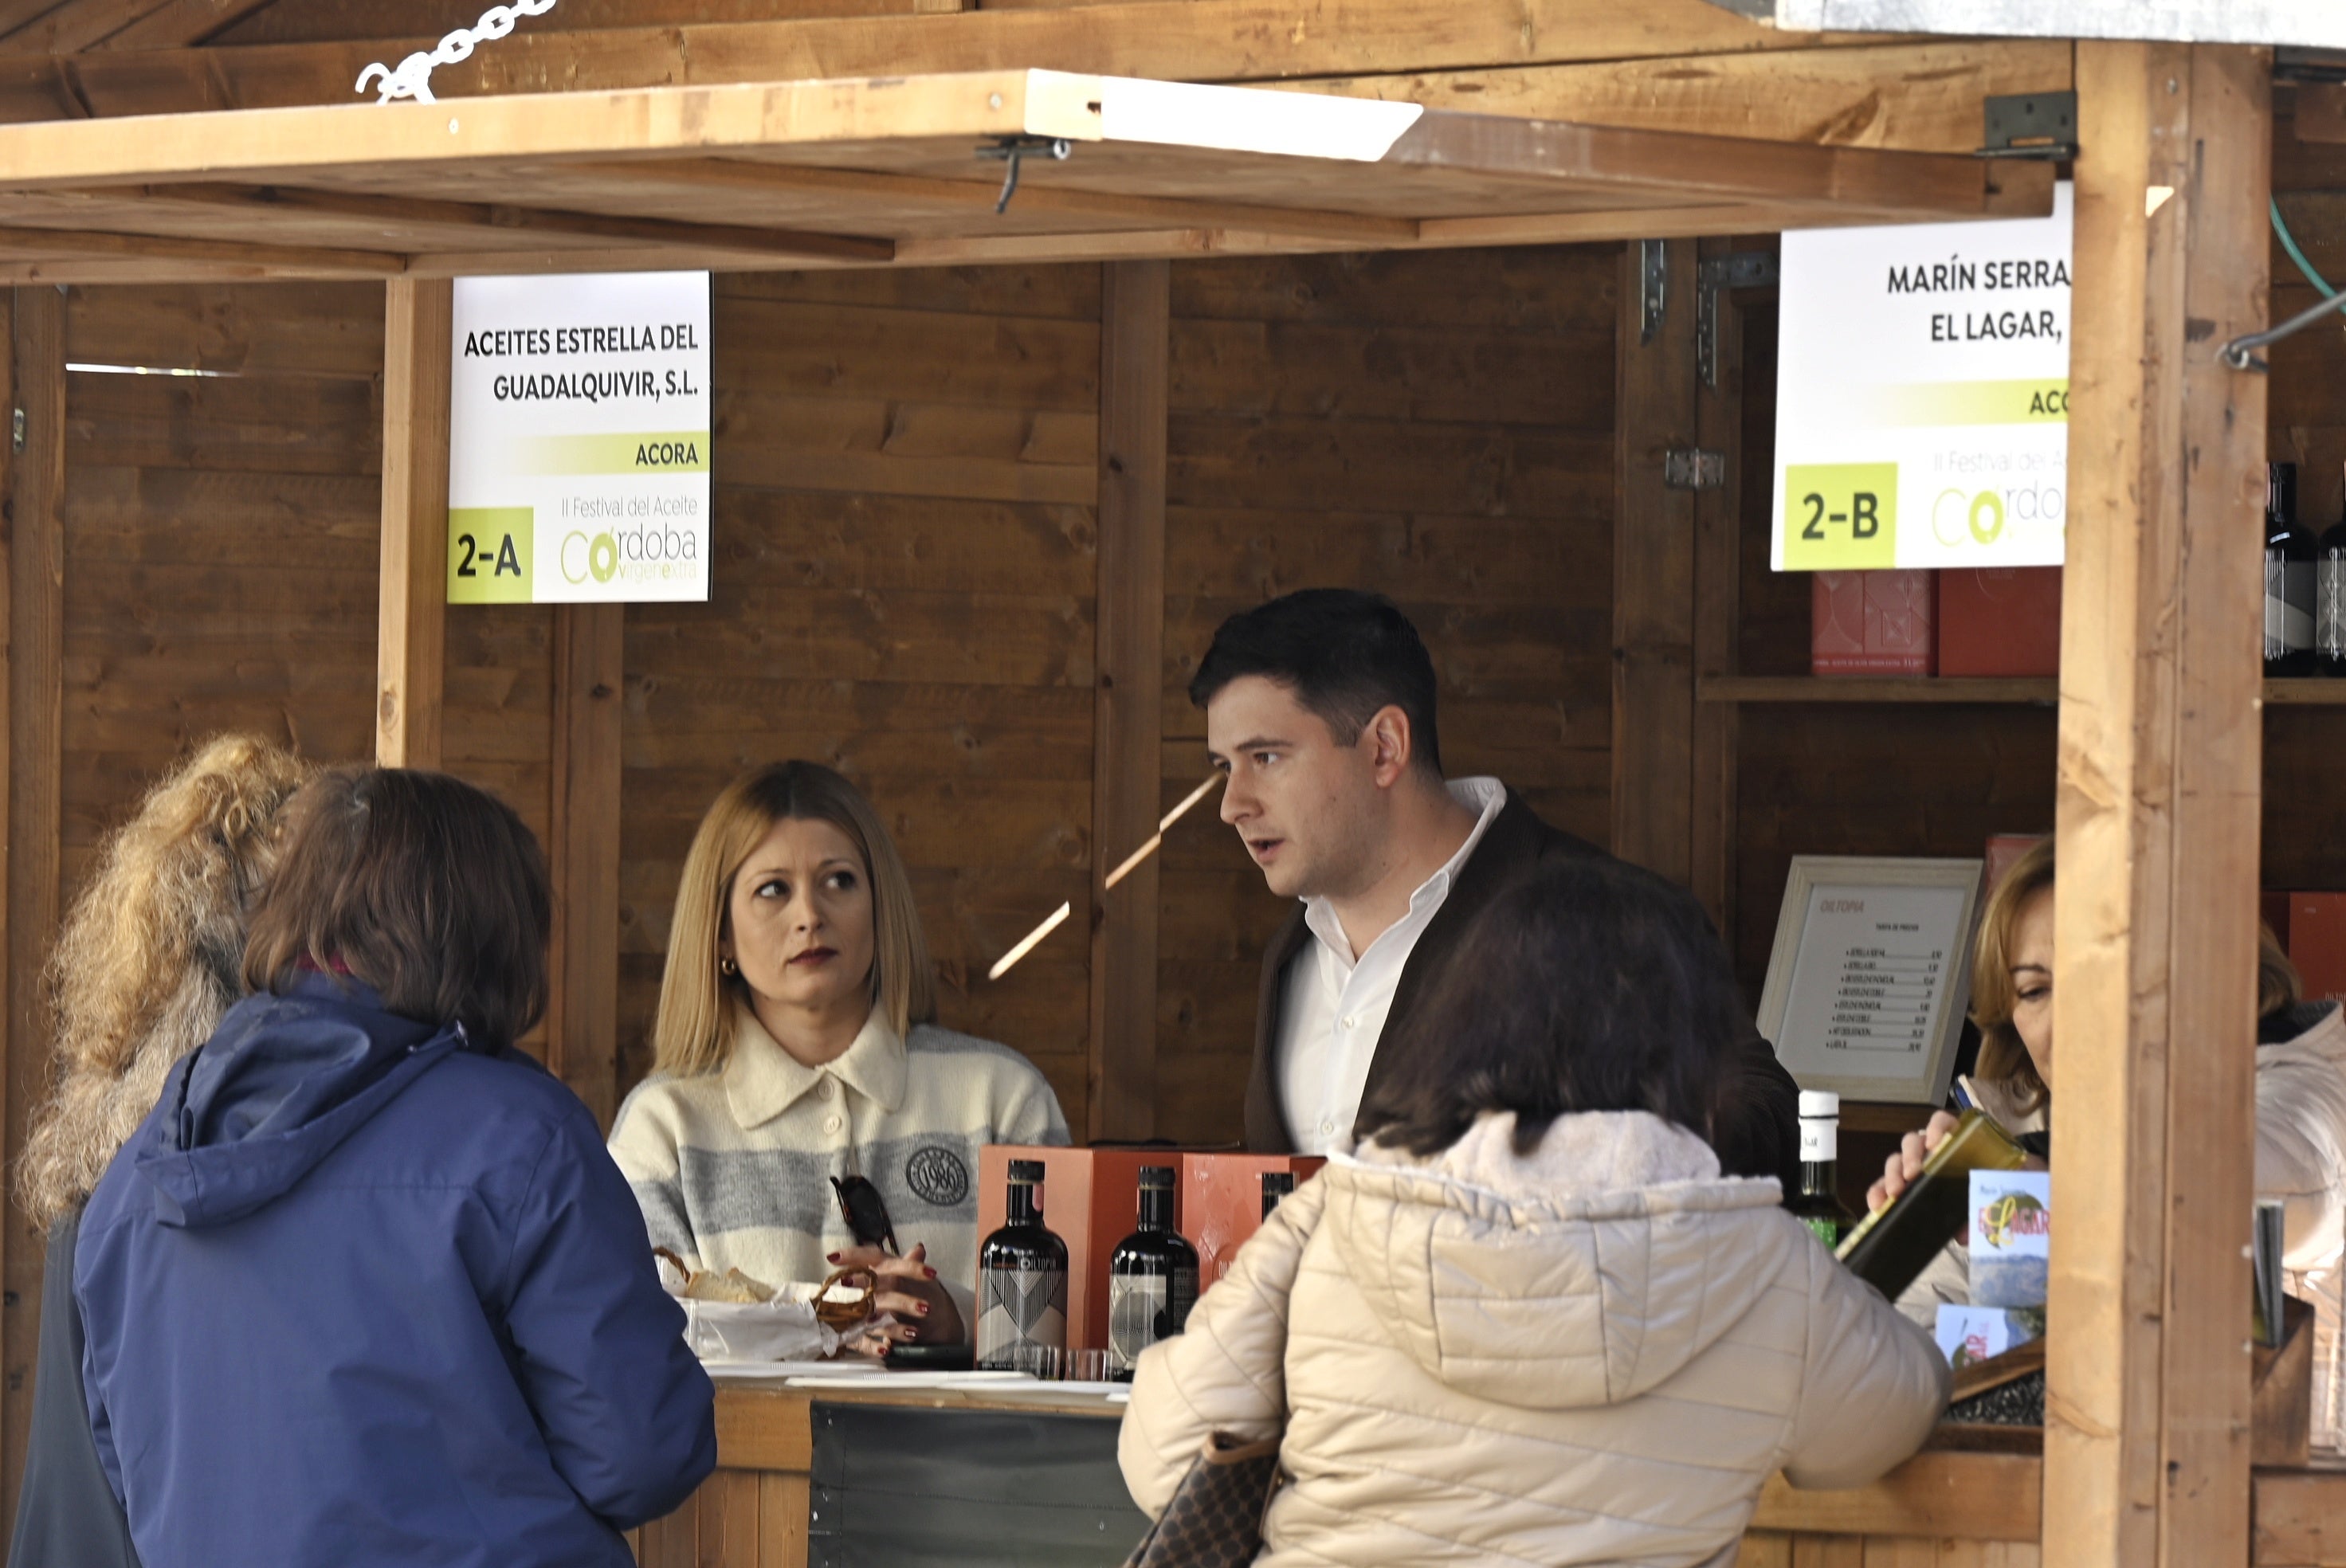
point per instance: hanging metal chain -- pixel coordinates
(412, 78)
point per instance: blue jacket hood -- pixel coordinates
(277, 1088)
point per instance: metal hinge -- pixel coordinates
(1693, 468)
(1744, 270)
(16, 430)
(1653, 288)
(2031, 124)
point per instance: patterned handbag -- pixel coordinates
(1214, 1520)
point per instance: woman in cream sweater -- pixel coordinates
(796, 1045)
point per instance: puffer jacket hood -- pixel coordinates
(278, 1087)
(1528, 1279)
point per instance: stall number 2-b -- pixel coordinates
(1841, 516)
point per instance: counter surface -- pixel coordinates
(1950, 1508)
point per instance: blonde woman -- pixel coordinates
(2301, 1086)
(145, 965)
(796, 1046)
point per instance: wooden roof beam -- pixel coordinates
(1182, 40)
(411, 211)
(1036, 193)
(313, 261)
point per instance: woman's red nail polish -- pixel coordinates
(924, 1309)
(930, 1272)
(830, 1257)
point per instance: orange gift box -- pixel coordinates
(1091, 1201)
(1221, 1203)
(1871, 622)
(2000, 621)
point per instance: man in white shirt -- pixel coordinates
(1319, 706)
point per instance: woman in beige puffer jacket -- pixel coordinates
(1559, 1336)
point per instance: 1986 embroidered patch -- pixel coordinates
(937, 1175)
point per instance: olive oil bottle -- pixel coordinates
(1895, 1244)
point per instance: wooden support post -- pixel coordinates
(1128, 722)
(411, 641)
(1717, 573)
(1654, 569)
(35, 769)
(582, 1024)
(2146, 1441)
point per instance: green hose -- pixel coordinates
(2288, 243)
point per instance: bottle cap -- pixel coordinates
(1819, 1103)
(1157, 1179)
(1025, 1170)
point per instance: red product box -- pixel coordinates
(1221, 1203)
(2316, 940)
(1091, 1201)
(2000, 621)
(1872, 623)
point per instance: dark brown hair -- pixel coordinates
(1589, 985)
(1345, 655)
(420, 886)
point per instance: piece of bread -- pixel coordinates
(731, 1286)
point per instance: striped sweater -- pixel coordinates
(732, 1166)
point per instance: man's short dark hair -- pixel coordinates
(1589, 985)
(1344, 654)
(430, 891)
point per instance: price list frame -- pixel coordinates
(1871, 972)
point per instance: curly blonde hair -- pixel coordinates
(147, 960)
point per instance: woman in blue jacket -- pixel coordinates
(364, 1286)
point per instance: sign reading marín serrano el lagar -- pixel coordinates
(1922, 398)
(578, 446)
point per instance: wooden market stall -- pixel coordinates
(986, 481)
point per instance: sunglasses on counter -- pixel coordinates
(860, 1205)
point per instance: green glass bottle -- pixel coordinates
(1895, 1244)
(1817, 1204)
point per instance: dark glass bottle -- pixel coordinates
(2329, 598)
(1817, 1205)
(1022, 1280)
(1892, 1245)
(2289, 552)
(1152, 1277)
(1276, 1185)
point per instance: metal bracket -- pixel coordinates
(1744, 270)
(1015, 149)
(1653, 288)
(16, 430)
(1692, 468)
(2031, 124)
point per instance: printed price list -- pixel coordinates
(1884, 999)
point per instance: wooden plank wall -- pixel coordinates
(905, 562)
(1436, 427)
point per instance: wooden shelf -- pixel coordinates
(2303, 693)
(1874, 688)
(2040, 693)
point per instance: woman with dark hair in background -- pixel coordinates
(364, 1286)
(1529, 1321)
(145, 965)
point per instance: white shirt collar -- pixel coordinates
(1486, 798)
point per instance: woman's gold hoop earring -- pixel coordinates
(727, 967)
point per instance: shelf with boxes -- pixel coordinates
(2030, 691)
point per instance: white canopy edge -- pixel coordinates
(2311, 24)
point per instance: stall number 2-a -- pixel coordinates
(488, 555)
(1841, 516)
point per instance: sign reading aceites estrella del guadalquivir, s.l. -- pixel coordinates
(578, 446)
(1923, 395)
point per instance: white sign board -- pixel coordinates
(1923, 395)
(578, 447)
(1869, 977)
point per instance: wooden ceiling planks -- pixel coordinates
(866, 173)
